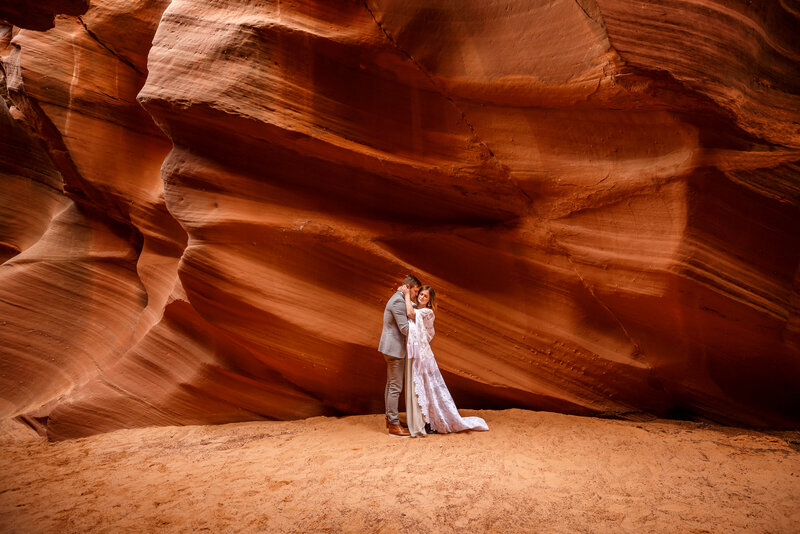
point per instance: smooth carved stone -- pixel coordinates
(39, 15)
(30, 188)
(606, 198)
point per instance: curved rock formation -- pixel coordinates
(206, 206)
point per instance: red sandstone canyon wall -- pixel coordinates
(205, 206)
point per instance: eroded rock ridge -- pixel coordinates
(205, 206)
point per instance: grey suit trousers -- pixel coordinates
(395, 369)
(393, 348)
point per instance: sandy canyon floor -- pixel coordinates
(533, 471)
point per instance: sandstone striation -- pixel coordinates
(205, 207)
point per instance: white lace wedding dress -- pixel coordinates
(427, 398)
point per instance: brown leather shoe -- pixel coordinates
(401, 424)
(399, 431)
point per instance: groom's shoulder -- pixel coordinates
(394, 298)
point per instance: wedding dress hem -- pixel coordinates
(427, 385)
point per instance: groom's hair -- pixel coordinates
(411, 281)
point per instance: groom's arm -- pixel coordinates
(399, 312)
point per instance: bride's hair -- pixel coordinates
(432, 293)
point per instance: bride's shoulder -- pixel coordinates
(426, 312)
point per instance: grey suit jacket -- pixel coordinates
(395, 327)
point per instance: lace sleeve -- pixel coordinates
(428, 317)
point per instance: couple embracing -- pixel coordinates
(405, 345)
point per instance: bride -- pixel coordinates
(427, 397)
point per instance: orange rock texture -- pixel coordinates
(205, 206)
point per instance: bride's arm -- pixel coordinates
(427, 320)
(409, 307)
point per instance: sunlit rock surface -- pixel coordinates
(205, 206)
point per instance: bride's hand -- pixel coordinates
(403, 289)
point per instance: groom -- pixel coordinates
(393, 348)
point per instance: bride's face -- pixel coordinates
(423, 298)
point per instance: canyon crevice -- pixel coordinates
(205, 206)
